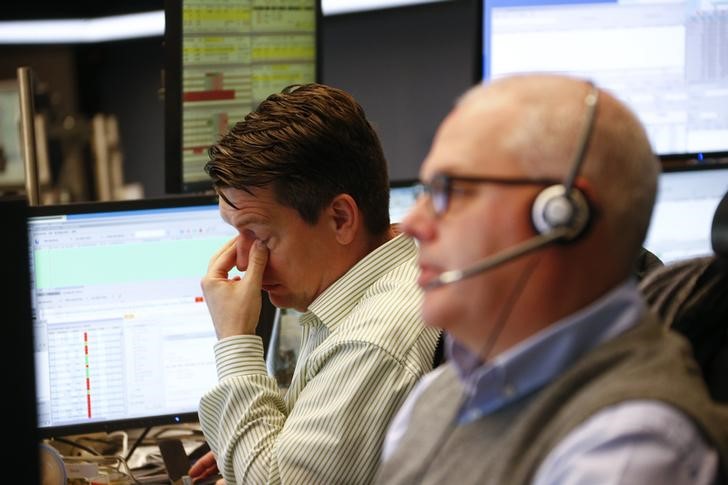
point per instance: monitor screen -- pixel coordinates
(402, 197)
(123, 337)
(667, 59)
(683, 214)
(223, 58)
(12, 169)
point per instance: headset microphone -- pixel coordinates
(502, 257)
(560, 213)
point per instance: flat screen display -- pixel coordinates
(223, 58)
(402, 198)
(683, 214)
(123, 337)
(666, 59)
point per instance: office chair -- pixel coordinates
(691, 297)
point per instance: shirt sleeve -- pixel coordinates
(635, 442)
(332, 435)
(242, 415)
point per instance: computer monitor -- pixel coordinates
(683, 214)
(222, 59)
(665, 59)
(17, 356)
(123, 337)
(12, 169)
(402, 197)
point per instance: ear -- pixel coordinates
(345, 218)
(589, 190)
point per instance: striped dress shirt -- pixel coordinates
(363, 347)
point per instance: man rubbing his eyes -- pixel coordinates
(304, 181)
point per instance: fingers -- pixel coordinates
(223, 260)
(205, 466)
(208, 472)
(257, 259)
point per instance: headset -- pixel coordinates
(560, 213)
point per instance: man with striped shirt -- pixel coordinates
(304, 181)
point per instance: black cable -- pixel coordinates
(507, 309)
(137, 443)
(78, 445)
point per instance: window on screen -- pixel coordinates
(668, 60)
(683, 214)
(121, 328)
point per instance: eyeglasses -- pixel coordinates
(442, 186)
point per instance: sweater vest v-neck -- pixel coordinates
(647, 362)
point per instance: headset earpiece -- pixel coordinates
(562, 210)
(554, 209)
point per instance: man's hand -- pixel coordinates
(234, 304)
(205, 467)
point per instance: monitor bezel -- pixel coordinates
(689, 165)
(395, 184)
(174, 183)
(265, 321)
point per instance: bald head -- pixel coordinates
(492, 157)
(538, 121)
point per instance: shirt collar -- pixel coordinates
(539, 359)
(337, 301)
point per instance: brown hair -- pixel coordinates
(310, 143)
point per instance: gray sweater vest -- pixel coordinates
(507, 447)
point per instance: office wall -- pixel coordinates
(405, 66)
(125, 78)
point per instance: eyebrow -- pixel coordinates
(246, 220)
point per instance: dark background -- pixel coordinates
(405, 65)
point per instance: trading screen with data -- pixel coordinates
(402, 198)
(121, 328)
(234, 54)
(667, 59)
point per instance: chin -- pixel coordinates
(278, 300)
(284, 301)
(437, 311)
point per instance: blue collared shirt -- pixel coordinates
(539, 359)
(632, 442)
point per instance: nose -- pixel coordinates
(419, 222)
(242, 249)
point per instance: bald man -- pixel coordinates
(538, 194)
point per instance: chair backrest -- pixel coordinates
(691, 297)
(647, 261)
(719, 229)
